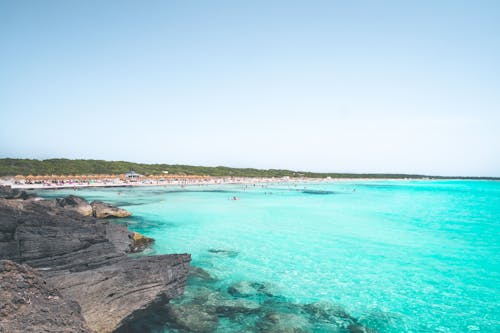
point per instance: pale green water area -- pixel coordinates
(387, 256)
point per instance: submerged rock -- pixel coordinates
(192, 318)
(357, 328)
(228, 306)
(318, 192)
(248, 289)
(327, 312)
(103, 210)
(217, 301)
(29, 304)
(199, 273)
(381, 321)
(279, 322)
(195, 295)
(77, 204)
(227, 253)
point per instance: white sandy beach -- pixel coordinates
(151, 182)
(180, 181)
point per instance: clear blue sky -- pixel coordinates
(352, 86)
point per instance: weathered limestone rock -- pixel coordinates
(140, 242)
(116, 293)
(29, 304)
(77, 204)
(52, 238)
(103, 210)
(86, 259)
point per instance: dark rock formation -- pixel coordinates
(103, 210)
(10, 193)
(29, 304)
(86, 259)
(77, 204)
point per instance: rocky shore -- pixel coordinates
(212, 305)
(65, 268)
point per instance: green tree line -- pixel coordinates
(15, 166)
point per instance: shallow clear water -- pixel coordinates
(412, 256)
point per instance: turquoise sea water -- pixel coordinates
(399, 256)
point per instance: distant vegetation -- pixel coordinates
(14, 166)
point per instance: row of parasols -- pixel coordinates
(101, 177)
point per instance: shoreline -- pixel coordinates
(191, 182)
